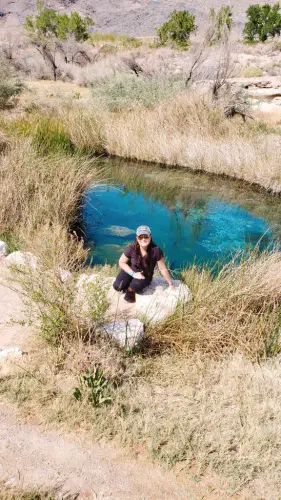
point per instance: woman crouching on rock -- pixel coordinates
(138, 263)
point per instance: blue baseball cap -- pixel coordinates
(143, 230)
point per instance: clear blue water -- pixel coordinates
(209, 230)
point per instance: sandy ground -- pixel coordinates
(29, 456)
(11, 307)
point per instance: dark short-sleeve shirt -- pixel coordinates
(154, 255)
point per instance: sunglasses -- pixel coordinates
(143, 237)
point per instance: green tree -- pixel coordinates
(263, 21)
(49, 30)
(177, 29)
(222, 23)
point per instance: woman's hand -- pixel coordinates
(172, 286)
(138, 276)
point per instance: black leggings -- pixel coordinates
(124, 281)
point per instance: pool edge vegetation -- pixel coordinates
(204, 388)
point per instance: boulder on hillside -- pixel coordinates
(158, 301)
(21, 259)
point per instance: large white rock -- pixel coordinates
(3, 248)
(158, 300)
(21, 259)
(127, 332)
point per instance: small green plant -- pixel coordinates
(122, 42)
(11, 240)
(252, 72)
(94, 386)
(177, 29)
(94, 294)
(129, 42)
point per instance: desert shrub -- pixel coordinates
(252, 72)
(10, 86)
(52, 300)
(222, 23)
(127, 91)
(177, 29)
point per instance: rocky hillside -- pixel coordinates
(132, 17)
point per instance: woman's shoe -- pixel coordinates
(130, 297)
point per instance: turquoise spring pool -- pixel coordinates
(190, 223)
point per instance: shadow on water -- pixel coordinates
(193, 216)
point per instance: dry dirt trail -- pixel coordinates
(29, 456)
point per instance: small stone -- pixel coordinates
(3, 248)
(21, 259)
(64, 275)
(127, 332)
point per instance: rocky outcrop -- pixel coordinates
(158, 301)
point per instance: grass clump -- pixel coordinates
(120, 42)
(252, 72)
(18, 493)
(127, 92)
(12, 242)
(239, 309)
(38, 191)
(50, 137)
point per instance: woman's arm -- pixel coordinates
(164, 271)
(123, 263)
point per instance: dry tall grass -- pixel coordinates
(186, 131)
(41, 194)
(237, 310)
(19, 493)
